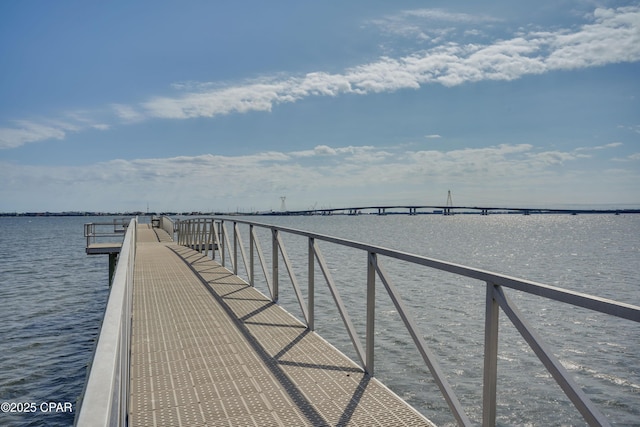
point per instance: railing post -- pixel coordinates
(212, 237)
(185, 232)
(274, 262)
(197, 235)
(212, 227)
(311, 288)
(235, 248)
(194, 234)
(205, 229)
(251, 269)
(490, 358)
(371, 311)
(222, 240)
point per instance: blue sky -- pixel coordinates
(204, 105)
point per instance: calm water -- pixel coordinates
(52, 297)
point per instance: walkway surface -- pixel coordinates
(208, 349)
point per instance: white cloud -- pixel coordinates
(600, 147)
(550, 158)
(613, 36)
(630, 158)
(433, 136)
(127, 113)
(365, 173)
(236, 99)
(612, 145)
(635, 128)
(423, 24)
(28, 131)
(324, 150)
(443, 15)
(476, 163)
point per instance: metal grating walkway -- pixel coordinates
(207, 349)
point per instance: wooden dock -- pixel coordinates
(208, 349)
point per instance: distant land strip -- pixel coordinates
(358, 210)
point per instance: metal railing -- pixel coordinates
(168, 225)
(210, 234)
(105, 400)
(100, 230)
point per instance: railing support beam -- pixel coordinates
(490, 358)
(427, 355)
(235, 248)
(588, 410)
(251, 259)
(274, 264)
(371, 312)
(311, 285)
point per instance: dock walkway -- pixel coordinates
(208, 349)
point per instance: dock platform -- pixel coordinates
(104, 248)
(209, 349)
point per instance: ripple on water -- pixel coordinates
(53, 296)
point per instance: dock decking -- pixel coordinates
(208, 349)
(104, 248)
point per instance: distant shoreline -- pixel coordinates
(308, 213)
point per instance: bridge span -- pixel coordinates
(443, 210)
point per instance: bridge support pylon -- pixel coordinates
(449, 204)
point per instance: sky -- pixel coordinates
(230, 106)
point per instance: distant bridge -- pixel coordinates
(443, 210)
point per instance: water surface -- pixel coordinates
(52, 298)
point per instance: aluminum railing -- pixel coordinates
(210, 234)
(168, 225)
(105, 399)
(98, 230)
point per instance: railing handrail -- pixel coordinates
(119, 225)
(209, 233)
(95, 230)
(105, 398)
(603, 305)
(168, 225)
